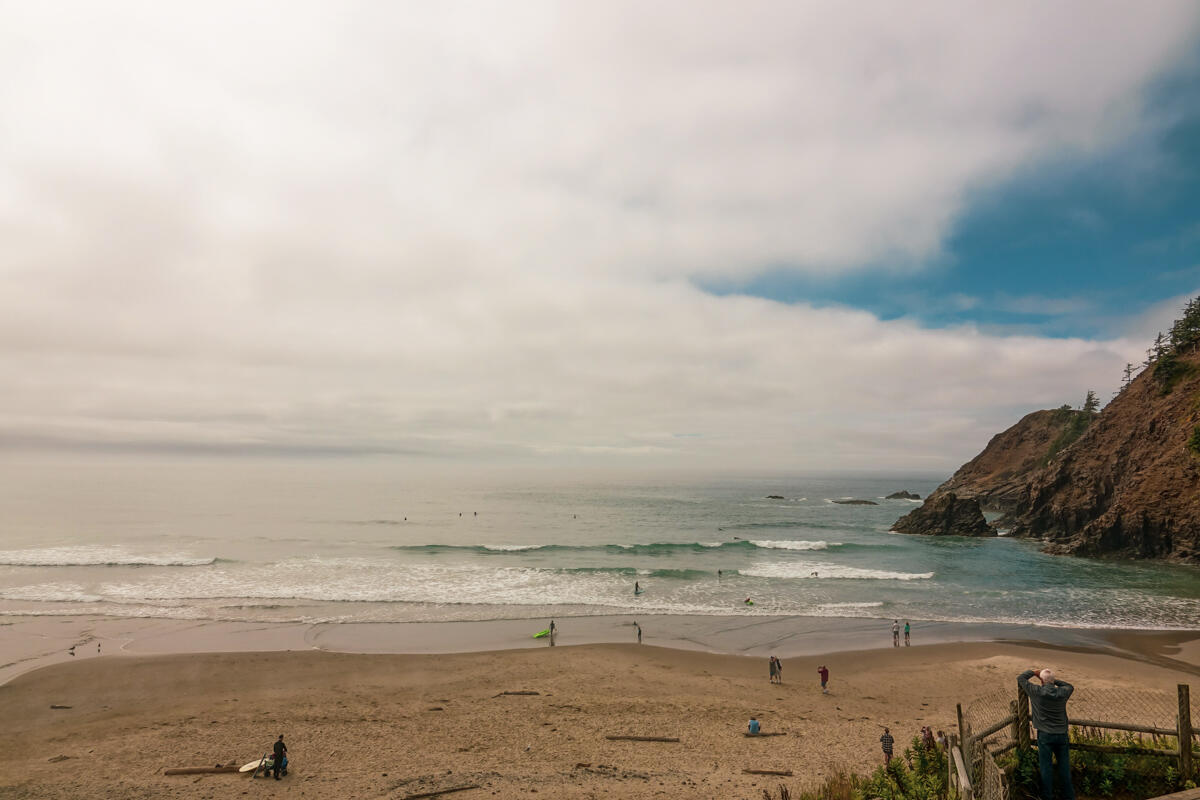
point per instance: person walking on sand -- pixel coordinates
(895, 633)
(772, 668)
(639, 632)
(823, 671)
(280, 751)
(907, 631)
(888, 743)
(552, 631)
(778, 671)
(1048, 707)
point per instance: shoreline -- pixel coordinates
(31, 643)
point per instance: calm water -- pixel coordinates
(330, 542)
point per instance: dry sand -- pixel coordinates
(387, 726)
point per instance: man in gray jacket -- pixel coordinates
(1048, 706)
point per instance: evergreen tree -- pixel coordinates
(1091, 403)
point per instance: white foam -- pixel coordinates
(512, 548)
(95, 556)
(791, 545)
(814, 570)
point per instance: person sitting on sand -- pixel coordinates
(754, 726)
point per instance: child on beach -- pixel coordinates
(823, 671)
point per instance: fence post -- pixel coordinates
(1022, 736)
(952, 773)
(1184, 724)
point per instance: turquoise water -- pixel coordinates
(329, 543)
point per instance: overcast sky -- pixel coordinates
(742, 235)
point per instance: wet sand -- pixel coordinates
(389, 725)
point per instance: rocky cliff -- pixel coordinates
(1125, 483)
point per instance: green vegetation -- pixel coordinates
(1074, 424)
(1193, 442)
(1183, 339)
(1102, 774)
(919, 774)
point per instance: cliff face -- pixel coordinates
(946, 514)
(997, 476)
(1121, 484)
(1130, 486)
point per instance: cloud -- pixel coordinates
(472, 229)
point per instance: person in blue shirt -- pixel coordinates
(754, 726)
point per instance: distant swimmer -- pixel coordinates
(718, 574)
(637, 589)
(814, 575)
(748, 601)
(476, 513)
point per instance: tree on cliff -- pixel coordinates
(1091, 404)
(1185, 333)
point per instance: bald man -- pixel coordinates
(1048, 705)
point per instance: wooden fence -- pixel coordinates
(972, 765)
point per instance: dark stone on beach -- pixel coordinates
(903, 495)
(946, 515)
(856, 502)
(775, 497)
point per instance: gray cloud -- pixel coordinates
(470, 229)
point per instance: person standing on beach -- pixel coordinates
(907, 631)
(895, 633)
(552, 630)
(823, 671)
(280, 749)
(773, 669)
(639, 632)
(1048, 707)
(888, 743)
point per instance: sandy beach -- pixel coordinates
(392, 725)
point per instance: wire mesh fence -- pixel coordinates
(1138, 718)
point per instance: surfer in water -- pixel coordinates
(637, 588)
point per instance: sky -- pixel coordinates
(751, 236)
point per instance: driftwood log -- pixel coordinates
(787, 773)
(758, 735)
(502, 694)
(440, 792)
(200, 770)
(641, 738)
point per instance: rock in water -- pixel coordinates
(946, 514)
(903, 495)
(856, 502)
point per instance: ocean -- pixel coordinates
(333, 542)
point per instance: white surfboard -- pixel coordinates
(251, 766)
